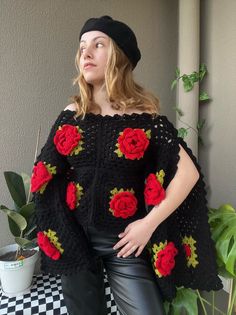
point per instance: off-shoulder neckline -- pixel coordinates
(114, 117)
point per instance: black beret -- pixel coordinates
(119, 32)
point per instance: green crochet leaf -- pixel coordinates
(118, 152)
(148, 133)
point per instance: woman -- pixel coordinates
(115, 187)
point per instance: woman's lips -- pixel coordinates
(88, 66)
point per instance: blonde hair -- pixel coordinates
(123, 92)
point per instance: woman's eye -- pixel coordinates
(99, 44)
(81, 49)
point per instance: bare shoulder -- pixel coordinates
(136, 111)
(71, 107)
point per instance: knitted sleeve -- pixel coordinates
(62, 241)
(183, 239)
(49, 162)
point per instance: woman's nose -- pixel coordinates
(87, 52)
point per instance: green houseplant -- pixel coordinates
(17, 261)
(20, 217)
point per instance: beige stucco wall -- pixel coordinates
(218, 51)
(217, 157)
(38, 43)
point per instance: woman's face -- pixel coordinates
(94, 48)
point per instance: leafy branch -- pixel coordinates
(188, 81)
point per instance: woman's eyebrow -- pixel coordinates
(84, 41)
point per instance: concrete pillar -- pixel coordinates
(188, 61)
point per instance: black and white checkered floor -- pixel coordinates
(45, 298)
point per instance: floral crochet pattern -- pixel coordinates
(190, 251)
(132, 143)
(42, 174)
(99, 169)
(154, 193)
(68, 140)
(123, 203)
(73, 195)
(48, 242)
(164, 258)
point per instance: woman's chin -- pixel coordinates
(94, 82)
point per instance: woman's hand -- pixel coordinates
(135, 237)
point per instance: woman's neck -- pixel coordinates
(100, 97)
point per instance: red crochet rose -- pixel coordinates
(48, 248)
(66, 139)
(123, 204)
(71, 198)
(187, 249)
(40, 176)
(154, 193)
(133, 143)
(165, 261)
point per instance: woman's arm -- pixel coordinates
(138, 233)
(184, 180)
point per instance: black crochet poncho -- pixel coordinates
(108, 171)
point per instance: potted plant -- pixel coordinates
(17, 261)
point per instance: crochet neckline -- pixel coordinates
(115, 116)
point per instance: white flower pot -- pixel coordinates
(16, 276)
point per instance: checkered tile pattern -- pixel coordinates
(46, 298)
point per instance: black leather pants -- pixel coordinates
(131, 279)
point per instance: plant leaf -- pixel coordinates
(32, 229)
(26, 180)
(223, 272)
(223, 227)
(27, 210)
(202, 71)
(15, 231)
(16, 217)
(24, 243)
(194, 77)
(167, 307)
(201, 124)
(188, 84)
(203, 96)
(230, 263)
(182, 132)
(177, 72)
(173, 84)
(200, 140)
(16, 188)
(186, 299)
